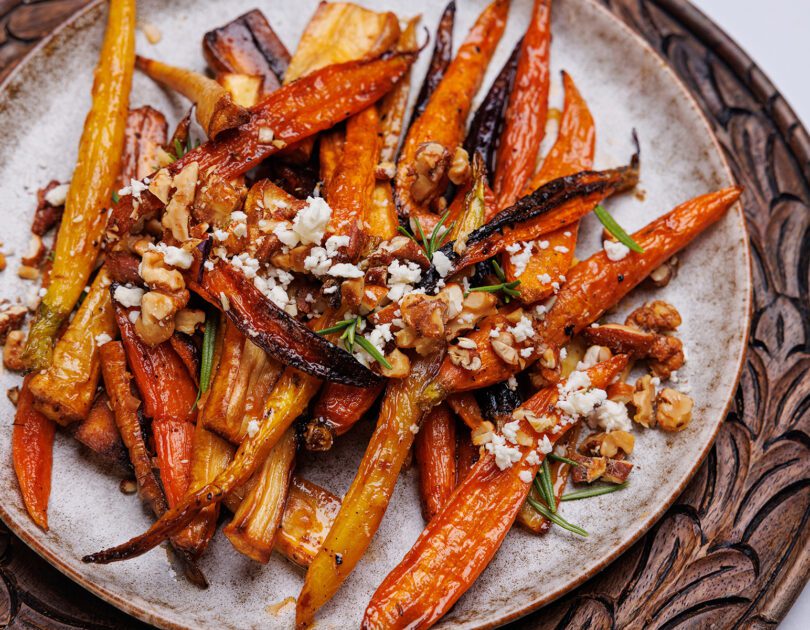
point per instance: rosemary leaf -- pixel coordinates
(564, 460)
(337, 327)
(614, 228)
(587, 493)
(366, 345)
(115, 196)
(546, 481)
(556, 518)
(207, 356)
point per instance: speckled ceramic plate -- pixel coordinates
(42, 107)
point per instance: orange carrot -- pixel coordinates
(435, 451)
(32, 455)
(525, 123)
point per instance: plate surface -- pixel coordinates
(626, 85)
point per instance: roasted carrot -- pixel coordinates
(458, 544)
(99, 433)
(367, 499)
(351, 185)
(145, 134)
(572, 152)
(466, 408)
(593, 286)
(256, 523)
(294, 112)
(66, 389)
(435, 451)
(446, 112)
(330, 152)
(85, 216)
(439, 60)
(32, 455)
(467, 453)
(525, 123)
(340, 406)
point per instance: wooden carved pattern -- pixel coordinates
(733, 551)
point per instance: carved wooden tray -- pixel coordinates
(733, 549)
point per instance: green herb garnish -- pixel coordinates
(508, 288)
(616, 230)
(181, 149)
(435, 241)
(587, 493)
(115, 197)
(207, 359)
(545, 479)
(350, 337)
(556, 518)
(564, 460)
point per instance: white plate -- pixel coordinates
(42, 108)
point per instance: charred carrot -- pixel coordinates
(340, 406)
(352, 184)
(435, 451)
(458, 544)
(294, 112)
(446, 112)
(32, 455)
(593, 286)
(367, 499)
(439, 60)
(85, 216)
(525, 122)
(466, 408)
(145, 134)
(467, 452)
(572, 152)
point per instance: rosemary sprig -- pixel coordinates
(350, 337)
(207, 358)
(545, 479)
(430, 244)
(181, 149)
(556, 518)
(617, 230)
(564, 460)
(587, 493)
(115, 196)
(508, 288)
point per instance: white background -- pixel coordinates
(776, 34)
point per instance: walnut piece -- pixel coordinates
(400, 365)
(178, 210)
(482, 433)
(674, 411)
(13, 351)
(430, 165)
(460, 170)
(643, 397)
(425, 314)
(467, 358)
(158, 275)
(657, 317)
(611, 445)
(664, 274)
(11, 318)
(187, 320)
(504, 346)
(156, 322)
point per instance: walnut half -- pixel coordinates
(674, 410)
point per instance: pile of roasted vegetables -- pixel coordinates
(318, 255)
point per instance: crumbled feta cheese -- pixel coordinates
(135, 189)
(252, 428)
(345, 270)
(311, 221)
(334, 243)
(330, 290)
(526, 475)
(505, 455)
(562, 249)
(566, 233)
(563, 354)
(238, 216)
(42, 292)
(127, 295)
(543, 244)
(510, 430)
(240, 230)
(220, 235)
(533, 459)
(615, 251)
(523, 330)
(408, 273)
(512, 383)
(317, 262)
(612, 416)
(545, 446)
(134, 315)
(266, 135)
(442, 263)
(655, 381)
(57, 195)
(175, 256)
(209, 265)
(526, 352)
(414, 428)
(521, 261)
(544, 278)
(102, 338)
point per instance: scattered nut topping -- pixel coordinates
(28, 273)
(482, 433)
(385, 170)
(13, 394)
(11, 318)
(620, 392)
(643, 398)
(178, 210)
(188, 320)
(609, 445)
(13, 351)
(152, 34)
(662, 276)
(674, 411)
(503, 346)
(460, 170)
(467, 358)
(538, 423)
(430, 165)
(400, 365)
(36, 252)
(426, 314)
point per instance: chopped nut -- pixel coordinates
(591, 469)
(657, 317)
(400, 365)
(153, 36)
(11, 318)
(187, 320)
(13, 351)
(482, 433)
(425, 313)
(643, 397)
(459, 171)
(608, 444)
(594, 355)
(13, 394)
(430, 165)
(160, 185)
(617, 471)
(538, 423)
(156, 323)
(674, 411)
(548, 359)
(503, 346)
(475, 307)
(405, 338)
(665, 353)
(178, 211)
(27, 273)
(158, 275)
(467, 358)
(36, 252)
(620, 392)
(352, 293)
(662, 276)
(385, 170)
(666, 356)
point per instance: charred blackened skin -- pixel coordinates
(279, 335)
(486, 126)
(545, 199)
(498, 400)
(439, 61)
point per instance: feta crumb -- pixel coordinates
(545, 446)
(311, 221)
(523, 330)
(345, 270)
(543, 244)
(533, 459)
(134, 315)
(615, 251)
(505, 455)
(526, 352)
(563, 354)
(521, 261)
(252, 428)
(526, 475)
(510, 430)
(176, 256)
(266, 135)
(512, 383)
(655, 381)
(612, 416)
(102, 338)
(562, 249)
(442, 263)
(127, 295)
(544, 278)
(42, 292)
(414, 428)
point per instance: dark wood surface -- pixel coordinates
(733, 550)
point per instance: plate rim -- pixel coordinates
(155, 618)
